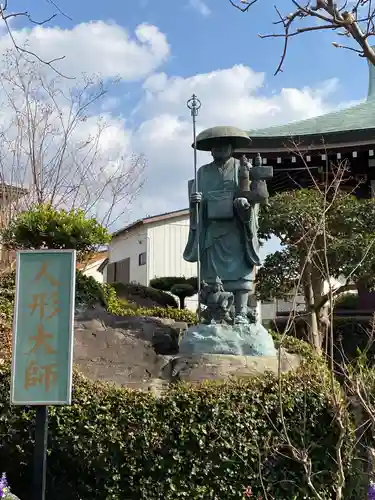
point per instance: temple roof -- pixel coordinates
(356, 118)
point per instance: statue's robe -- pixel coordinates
(228, 240)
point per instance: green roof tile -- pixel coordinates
(358, 117)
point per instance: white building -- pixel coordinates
(153, 248)
(150, 248)
(93, 266)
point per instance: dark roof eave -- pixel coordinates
(311, 141)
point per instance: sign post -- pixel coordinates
(42, 356)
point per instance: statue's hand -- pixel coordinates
(245, 162)
(195, 198)
(241, 204)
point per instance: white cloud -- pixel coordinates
(97, 47)
(200, 6)
(233, 96)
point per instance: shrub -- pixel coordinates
(146, 295)
(347, 301)
(88, 290)
(43, 226)
(195, 442)
(7, 291)
(167, 282)
(119, 307)
(295, 346)
(352, 336)
(182, 291)
(177, 285)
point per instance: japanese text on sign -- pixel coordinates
(42, 356)
(46, 306)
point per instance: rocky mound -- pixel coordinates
(142, 353)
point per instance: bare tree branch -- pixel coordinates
(54, 146)
(6, 16)
(355, 23)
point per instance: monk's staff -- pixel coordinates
(194, 105)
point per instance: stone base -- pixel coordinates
(198, 367)
(237, 340)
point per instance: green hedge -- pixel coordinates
(351, 337)
(167, 282)
(119, 307)
(347, 301)
(195, 443)
(135, 290)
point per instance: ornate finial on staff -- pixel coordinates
(194, 105)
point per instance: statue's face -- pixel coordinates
(222, 152)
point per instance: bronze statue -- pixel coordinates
(224, 205)
(218, 303)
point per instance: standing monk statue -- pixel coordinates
(227, 230)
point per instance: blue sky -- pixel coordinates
(164, 51)
(224, 37)
(202, 43)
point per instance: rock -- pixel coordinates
(239, 340)
(117, 356)
(198, 367)
(164, 338)
(160, 332)
(142, 353)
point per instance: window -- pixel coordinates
(142, 259)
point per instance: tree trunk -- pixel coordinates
(182, 301)
(315, 335)
(323, 310)
(313, 320)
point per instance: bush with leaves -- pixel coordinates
(167, 282)
(182, 291)
(177, 285)
(88, 290)
(347, 301)
(45, 227)
(144, 295)
(197, 442)
(120, 307)
(321, 233)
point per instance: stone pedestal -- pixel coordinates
(198, 367)
(236, 340)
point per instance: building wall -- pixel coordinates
(167, 241)
(104, 276)
(92, 270)
(272, 308)
(130, 245)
